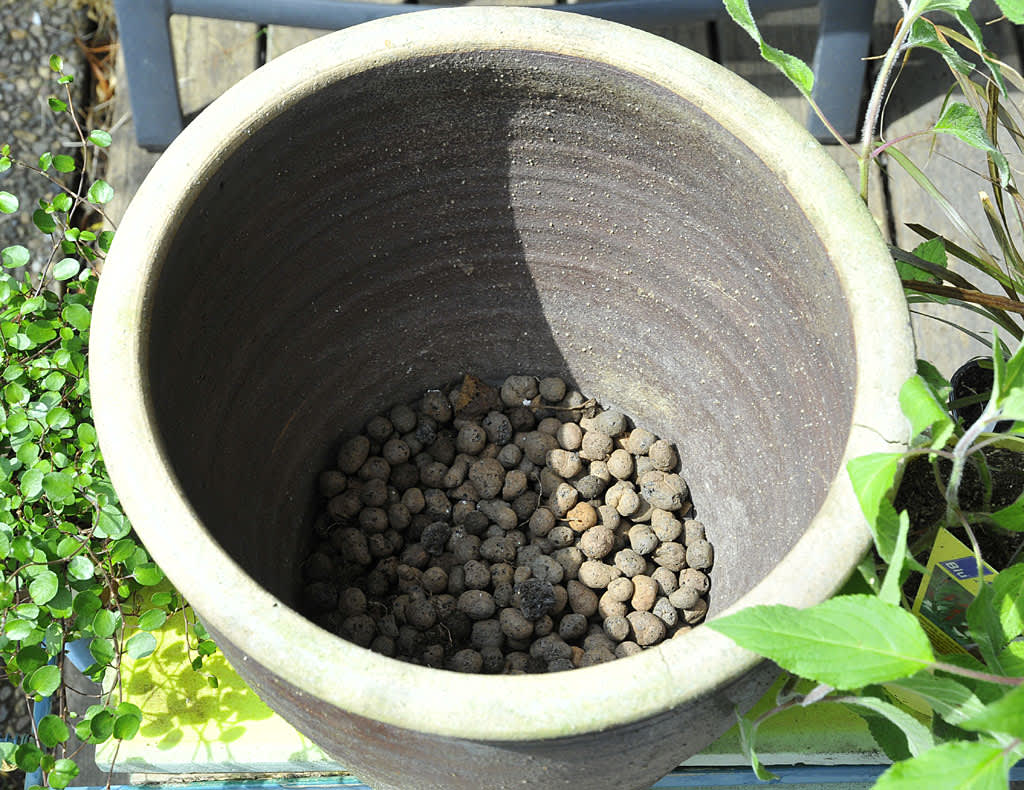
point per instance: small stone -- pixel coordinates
(552, 389)
(331, 483)
(670, 555)
(569, 436)
(620, 589)
(514, 625)
(667, 581)
(466, 660)
(620, 464)
(436, 406)
(666, 526)
(640, 441)
(596, 574)
(665, 611)
(627, 648)
(647, 628)
(582, 517)
(488, 477)
(477, 604)
(471, 439)
(645, 593)
(684, 598)
(617, 627)
(565, 463)
(699, 554)
(518, 390)
(630, 563)
(486, 633)
(692, 530)
(573, 626)
(582, 600)
(663, 490)
(597, 542)
(691, 577)
(642, 539)
(611, 422)
(535, 597)
(663, 456)
(563, 499)
(696, 613)
(596, 446)
(629, 503)
(550, 648)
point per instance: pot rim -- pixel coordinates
(501, 708)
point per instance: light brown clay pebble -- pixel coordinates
(629, 503)
(667, 581)
(695, 614)
(510, 456)
(610, 422)
(670, 555)
(699, 554)
(663, 456)
(620, 464)
(517, 390)
(663, 490)
(607, 606)
(599, 469)
(582, 600)
(647, 628)
(627, 648)
(692, 531)
(516, 483)
(549, 425)
(570, 558)
(597, 542)
(541, 522)
(551, 389)
(609, 517)
(569, 436)
(620, 589)
(561, 536)
(664, 610)
(640, 441)
(645, 593)
(537, 445)
(582, 517)
(630, 563)
(642, 539)
(596, 574)
(617, 627)
(666, 526)
(477, 604)
(436, 406)
(691, 577)
(684, 598)
(563, 499)
(595, 446)
(565, 463)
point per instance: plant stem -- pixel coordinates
(874, 111)
(988, 677)
(961, 451)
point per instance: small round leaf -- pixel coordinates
(81, 568)
(100, 138)
(44, 586)
(8, 203)
(140, 645)
(66, 268)
(152, 619)
(100, 192)
(45, 680)
(14, 256)
(77, 315)
(52, 731)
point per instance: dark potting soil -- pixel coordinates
(506, 530)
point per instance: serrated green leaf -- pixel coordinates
(952, 700)
(925, 412)
(919, 739)
(873, 477)
(66, 268)
(798, 72)
(1008, 600)
(52, 731)
(43, 587)
(963, 122)
(984, 625)
(100, 192)
(14, 256)
(1008, 382)
(63, 163)
(8, 203)
(1005, 715)
(923, 34)
(140, 644)
(960, 765)
(846, 642)
(44, 681)
(1013, 9)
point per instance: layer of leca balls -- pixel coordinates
(506, 530)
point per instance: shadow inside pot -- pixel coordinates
(495, 213)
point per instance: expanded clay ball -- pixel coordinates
(519, 528)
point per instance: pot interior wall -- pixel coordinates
(498, 212)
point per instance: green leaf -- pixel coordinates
(52, 731)
(1005, 715)
(1013, 9)
(101, 192)
(81, 568)
(100, 138)
(798, 72)
(56, 104)
(58, 486)
(46, 161)
(27, 757)
(984, 625)
(873, 477)
(923, 34)
(890, 591)
(43, 587)
(919, 739)
(101, 725)
(140, 645)
(926, 6)
(29, 659)
(31, 484)
(8, 203)
(104, 623)
(14, 256)
(953, 701)
(45, 680)
(86, 433)
(43, 221)
(126, 726)
(846, 642)
(102, 650)
(1008, 382)
(931, 251)
(56, 63)
(959, 765)
(748, 737)
(963, 122)
(148, 574)
(62, 774)
(62, 202)
(971, 27)
(925, 412)
(152, 619)
(1008, 600)
(66, 268)
(64, 163)
(77, 315)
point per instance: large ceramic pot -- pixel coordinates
(494, 191)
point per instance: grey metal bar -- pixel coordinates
(145, 38)
(844, 38)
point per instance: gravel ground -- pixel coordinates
(31, 31)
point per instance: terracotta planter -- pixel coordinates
(494, 190)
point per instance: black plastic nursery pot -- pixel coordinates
(494, 191)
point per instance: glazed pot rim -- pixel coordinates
(499, 708)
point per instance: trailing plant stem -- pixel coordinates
(988, 677)
(964, 447)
